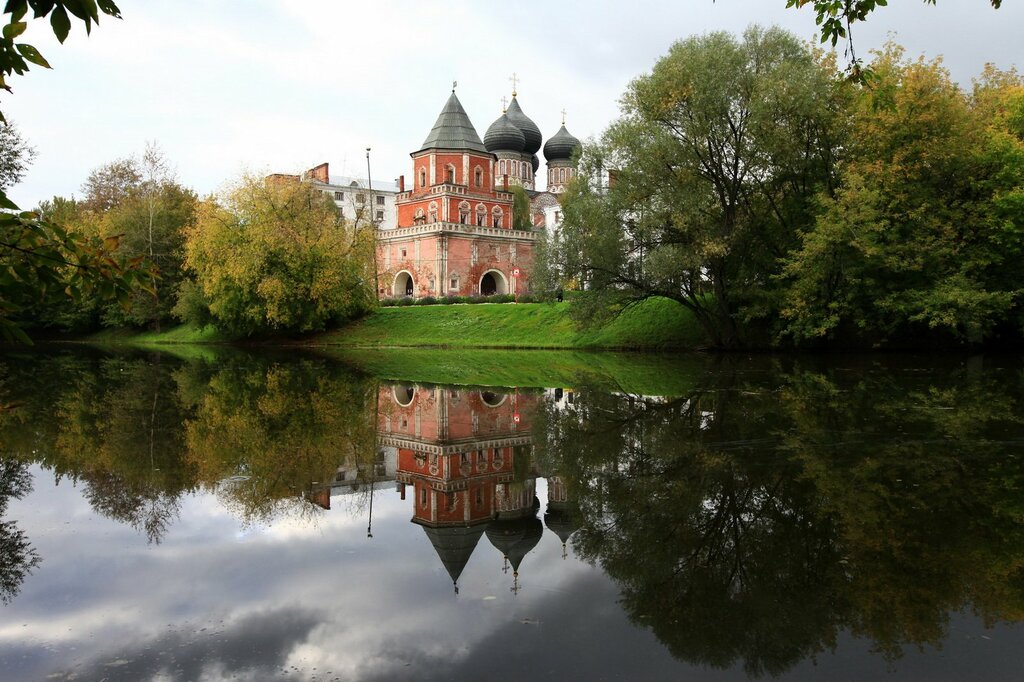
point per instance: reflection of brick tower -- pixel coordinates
(457, 449)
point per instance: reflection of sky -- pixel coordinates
(303, 600)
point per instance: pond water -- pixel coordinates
(238, 516)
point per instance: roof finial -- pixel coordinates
(515, 81)
(563, 116)
(504, 104)
(455, 84)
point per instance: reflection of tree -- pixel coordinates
(275, 429)
(122, 435)
(748, 524)
(17, 557)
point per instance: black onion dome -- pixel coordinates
(504, 136)
(535, 162)
(561, 146)
(530, 130)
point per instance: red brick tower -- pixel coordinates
(454, 234)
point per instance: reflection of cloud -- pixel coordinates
(254, 647)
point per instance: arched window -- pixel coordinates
(478, 176)
(481, 214)
(464, 212)
(501, 167)
(561, 175)
(420, 217)
(433, 211)
(423, 177)
(449, 174)
(496, 216)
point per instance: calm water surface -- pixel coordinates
(261, 517)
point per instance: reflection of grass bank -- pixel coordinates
(652, 325)
(634, 373)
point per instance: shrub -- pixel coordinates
(406, 300)
(426, 300)
(388, 302)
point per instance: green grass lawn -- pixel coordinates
(657, 324)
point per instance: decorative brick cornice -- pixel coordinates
(457, 230)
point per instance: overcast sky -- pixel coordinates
(274, 86)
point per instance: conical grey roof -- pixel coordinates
(530, 130)
(560, 146)
(455, 545)
(502, 135)
(453, 130)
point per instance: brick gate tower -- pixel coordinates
(454, 233)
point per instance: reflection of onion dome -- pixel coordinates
(454, 546)
(503, 135)
(560, 520)
(515, 538)
(560, 146)
(535, 162)
(530, 130)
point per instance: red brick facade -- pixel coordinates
(454, 233)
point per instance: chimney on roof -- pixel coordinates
(320, 173)
(401, 183)
(504, 181)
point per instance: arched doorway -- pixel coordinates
(493, 282)
(404, 285)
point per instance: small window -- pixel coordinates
(380, 215)
(380, 201)
(360, 198)
(403, 253)
(450, 174)
(479, 177)
(454, 284)
(338, 196)
(423, 497)
(423, 178)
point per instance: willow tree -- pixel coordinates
(706, 178)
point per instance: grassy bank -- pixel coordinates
(658, 324)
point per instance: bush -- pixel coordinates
(476, 299)
(502, 298)
(388, 302)
(406, 300)
(426, 300)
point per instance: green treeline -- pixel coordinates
(786, 204)
(260, 258)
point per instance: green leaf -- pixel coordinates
(32, 54)
(109, 8)
(61, 23)
(14, 29)
(16, 8)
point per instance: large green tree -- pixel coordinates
(706, 178)
(279, 257)
(926, 232)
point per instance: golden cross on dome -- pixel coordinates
(504, 104)
(563, 116)
(515, 81)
